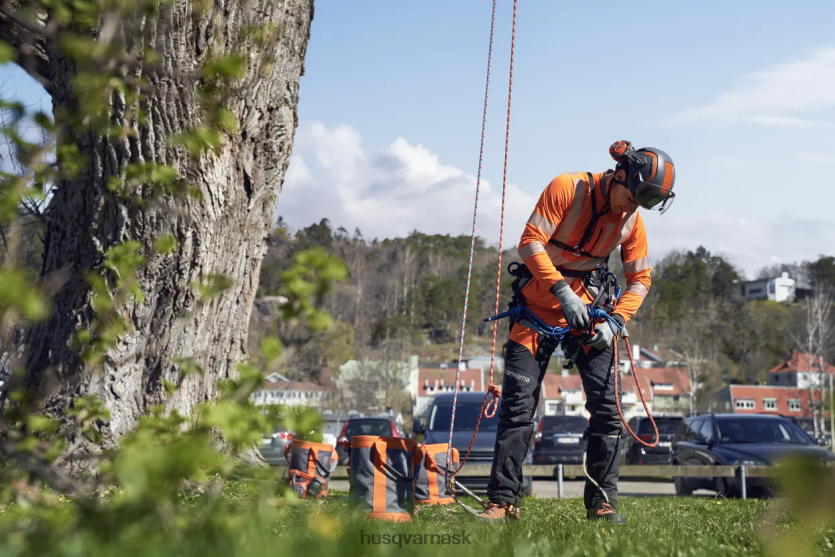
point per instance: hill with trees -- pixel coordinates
(405, 296)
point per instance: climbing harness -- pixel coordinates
(519, 312)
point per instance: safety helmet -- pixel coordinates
(648, 173)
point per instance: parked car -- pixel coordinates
(559, 440)
(635, 453)
(467, 410)
(739, 439)
(382, 427)
(272, 447)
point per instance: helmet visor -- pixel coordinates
(650, 196)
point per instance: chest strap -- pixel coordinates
(579, 249)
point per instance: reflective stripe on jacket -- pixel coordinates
(563, 212)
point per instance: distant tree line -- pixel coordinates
(405, 296)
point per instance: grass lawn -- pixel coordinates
(656, 526)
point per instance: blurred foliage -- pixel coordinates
(163, 488)
(168, 487)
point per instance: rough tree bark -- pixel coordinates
(221, 232)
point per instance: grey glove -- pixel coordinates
(603, 337)
(604, 333)
(572, 306)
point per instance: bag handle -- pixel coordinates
(378, 450)
(312, 455)
(431, 463)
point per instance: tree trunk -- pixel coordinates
(220, 232)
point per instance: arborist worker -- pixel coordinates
(578, 221)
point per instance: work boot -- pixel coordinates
(604, 511)
(498, 512)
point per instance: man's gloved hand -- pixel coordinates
(604, 333)
(572, 306)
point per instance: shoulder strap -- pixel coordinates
(579, 249)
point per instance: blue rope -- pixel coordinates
(557, 333)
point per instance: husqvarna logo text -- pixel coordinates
(518, 376)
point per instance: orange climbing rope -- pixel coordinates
(493, 389)
(640, 394)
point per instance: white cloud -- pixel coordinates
(748, 243)
(769, 97)
(391, 192)
(404, 187)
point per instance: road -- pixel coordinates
(574, 488)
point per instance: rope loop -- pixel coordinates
(496, 391)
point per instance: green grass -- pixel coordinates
(657, 526)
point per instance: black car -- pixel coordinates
(378, 426)
(739, 439)
(467, 410)
(635, 453)
(559, 440)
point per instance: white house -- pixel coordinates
(776, 289)
(290, 393)
(562, 395)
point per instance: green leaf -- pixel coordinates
(196, 141)
(18, 293)
(7, 53)
(211, 286)
(70, 160)
(306, 282)
(187, 366)
(170, 388)
(270, 348)
(229, 67)
(38, 423)
(165, 245)
(227, 121)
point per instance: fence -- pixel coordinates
(559, 471)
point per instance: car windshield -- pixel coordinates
(466, 416)
(665, 426)
(563, 424)
(760, 430)
(380, 428)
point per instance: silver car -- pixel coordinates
(272, 447)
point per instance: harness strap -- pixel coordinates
(572, 273)
(579, 249)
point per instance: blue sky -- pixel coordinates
(739, 94)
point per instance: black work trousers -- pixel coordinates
(520, 397)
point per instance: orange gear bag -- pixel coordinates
(381, 477)
(310, 468)
(430, 473)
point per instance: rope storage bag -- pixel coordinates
(311, 465)
(430, 471)
(381, 477)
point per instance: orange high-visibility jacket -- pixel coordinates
(563, 212)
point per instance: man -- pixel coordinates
(578, 221)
